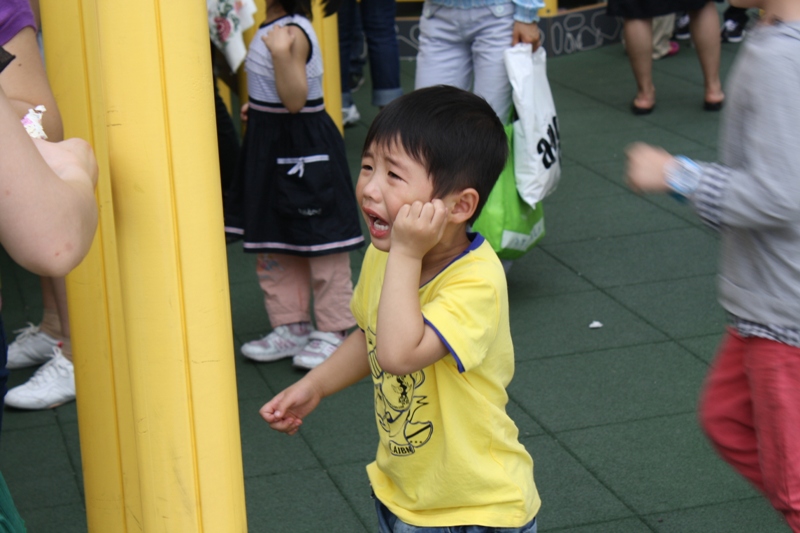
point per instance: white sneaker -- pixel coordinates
(280, 343)
(31, 347)
(321, 345)
(52, 385)
(350, 115)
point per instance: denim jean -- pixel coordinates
(377, 20)
(389, 523)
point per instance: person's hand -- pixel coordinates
(646, 166)
(526, 33)
(279, 40)
(285, 412)
(71, 159)
(243, 111)
(418, 227)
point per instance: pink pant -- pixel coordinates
(287, 282)
(750, 409)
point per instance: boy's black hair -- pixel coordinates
(303, 7)
(454, 134)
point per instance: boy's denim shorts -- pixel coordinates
(389, 523)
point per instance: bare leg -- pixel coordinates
(705, 29)
(55, 320)
(639, 42)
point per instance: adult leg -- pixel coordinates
(639, 42)
(444, 56)
(378, 21)
(774, 372)
(491, 35)
(705, 35)
(346, 15)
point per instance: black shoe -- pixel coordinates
(682, 28)
(732, 31)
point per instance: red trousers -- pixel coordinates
(750, 410)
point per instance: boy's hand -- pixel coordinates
(419, 227)
(285, 412)
(646, 166)
(279, 40)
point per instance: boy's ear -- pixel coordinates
(464, 204)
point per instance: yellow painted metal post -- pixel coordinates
(172, 263)
(550, 8)
(105, 413)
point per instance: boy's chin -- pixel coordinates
(381, 244)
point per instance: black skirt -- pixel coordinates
(293, 193)
(645, 9)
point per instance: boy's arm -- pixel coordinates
(347, 365)
(405, 343)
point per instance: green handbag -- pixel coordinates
(510, 225)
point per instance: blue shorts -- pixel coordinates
(389, 523)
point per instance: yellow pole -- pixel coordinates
(550, 8)
(173, 270)
(95, 302)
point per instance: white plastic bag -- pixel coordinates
(537, 144)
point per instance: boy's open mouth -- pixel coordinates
(378, 223)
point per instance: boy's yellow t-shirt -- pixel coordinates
(449, 454)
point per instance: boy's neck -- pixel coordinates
(452, 244)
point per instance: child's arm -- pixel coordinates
(405, 343)
(289, 48)
(348, 365)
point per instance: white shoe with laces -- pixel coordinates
(31, 347)
(280, 343)
(321, 344)
(52, 385)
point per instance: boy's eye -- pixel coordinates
(364, 166)
(395, 176)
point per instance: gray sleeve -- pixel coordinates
(765, 191)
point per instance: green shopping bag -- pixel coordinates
(510, 225)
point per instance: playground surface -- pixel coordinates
(607, 413)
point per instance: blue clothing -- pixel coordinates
(524, 10)
(389, 523)
(377, 21)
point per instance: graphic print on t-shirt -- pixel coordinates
(397, 404)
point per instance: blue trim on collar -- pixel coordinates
(476, 238)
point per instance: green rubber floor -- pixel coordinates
(608, 414)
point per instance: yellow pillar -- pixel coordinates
(95, 302)
(172, 267)
(550, 8)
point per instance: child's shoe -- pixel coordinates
(52, 385)
(280, 343)
(31, 347)
(321, 344)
